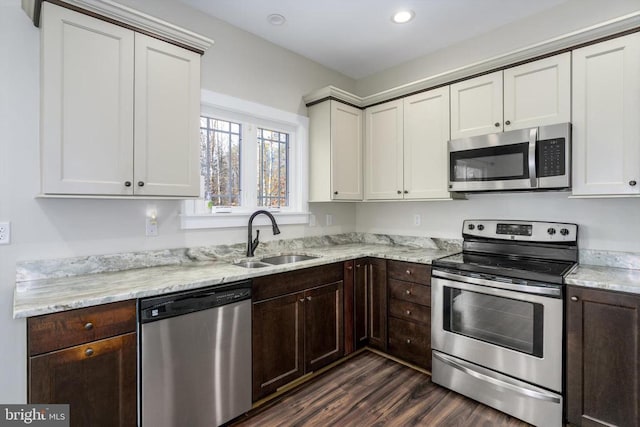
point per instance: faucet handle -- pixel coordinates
(255, 242)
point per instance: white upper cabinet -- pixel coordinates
(606, 118)
(119, 110)
(383, 151)
(426, 132)
(476, 106)
(538, 93)
(533, 94)
(335, 152)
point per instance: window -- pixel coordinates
(273, 148)
(252, 157)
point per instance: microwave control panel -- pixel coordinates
(551, 157)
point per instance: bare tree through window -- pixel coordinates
(273, 168)
(220, 160)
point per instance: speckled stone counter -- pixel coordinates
(601, 277)
(56, 285)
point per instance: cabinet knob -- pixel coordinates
(406, 191)
(497, 124)
(632, 183)
(408, 292)
(140, 183)
(88, 326)
(308, 298)
(408, 341)
(399, 192)
(335, 193)
(574, 298)
(349, 267)
(408, 312)
(301, 299)
(358, 265)
(88, 352)
(508, 122)
(127, 183)
(408, 272)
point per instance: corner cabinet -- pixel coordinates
(406, 147)
(86, 358)
(606, 111)
(120, 110)
(335, 152)
(603, 350)
(533, 94)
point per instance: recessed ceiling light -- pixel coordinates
(276, 19)
(403, 16)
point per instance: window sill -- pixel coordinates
(239, 219)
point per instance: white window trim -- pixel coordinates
(194, 214)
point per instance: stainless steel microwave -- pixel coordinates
(528, 159)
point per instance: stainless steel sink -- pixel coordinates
(251, 264)
(287, 259)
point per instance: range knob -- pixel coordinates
(480, 227)
(564, 231)
(471, 226)
(551, 231)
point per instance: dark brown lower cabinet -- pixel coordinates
(96, 377)
(360, 303)
(297, 332)
(376, 279)
(603, 364)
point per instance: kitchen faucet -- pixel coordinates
(252, 245)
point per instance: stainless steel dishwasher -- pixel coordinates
(195, 356)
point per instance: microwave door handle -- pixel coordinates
(533, 138)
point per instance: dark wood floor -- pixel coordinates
(371, 390)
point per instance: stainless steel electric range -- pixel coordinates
(497, 316)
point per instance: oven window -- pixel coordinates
(488, 164)
(505, 322)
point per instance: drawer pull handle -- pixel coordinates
(408, 292)
(408, 341)
(88, 352)
(88, 326)
(409, 272)
(408, 312)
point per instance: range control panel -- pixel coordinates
(530, 231)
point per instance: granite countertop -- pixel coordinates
(48, 287)
(603, 277)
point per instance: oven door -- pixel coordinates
(504, 161)
(516, 333)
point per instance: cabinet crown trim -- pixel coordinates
(551, 46)
(128, 16)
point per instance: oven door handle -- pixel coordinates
(533, 138)
(538, 290)
(495, 381)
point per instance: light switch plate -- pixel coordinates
(5, 233)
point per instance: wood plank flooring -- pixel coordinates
(371, 390)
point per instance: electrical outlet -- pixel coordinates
(416, 219)
(312, 220)
(5, 233)
(329, 219)
(151, 226)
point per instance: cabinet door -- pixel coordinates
(377, 283)
(87, 104)
(278, 343)
(606, 107)
(538, 93)
(426, 132)
(361, 303)
(346, 152)
(603, 335)
(349, 309)
(324, 329)
(476, 106)
(97, 380)
(167, 111)
(383, 166)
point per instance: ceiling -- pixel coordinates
(357, 37)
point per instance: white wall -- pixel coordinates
(605, 224)
(56, 228)
(562, 19)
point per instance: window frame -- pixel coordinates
(195, 213)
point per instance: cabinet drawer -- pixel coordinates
(410, 341)
(275, 285)
(408, 271)
(60, 330)
(409, 311)
(411, 292)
